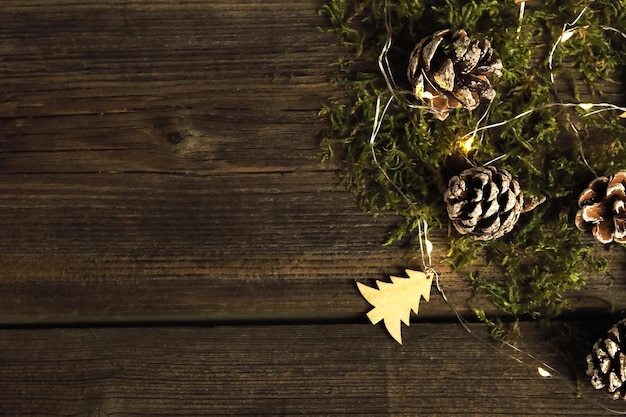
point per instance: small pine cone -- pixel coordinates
(448, 70)
(606, 364)
(603, 208)
(485, 202)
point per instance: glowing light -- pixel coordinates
(522, 8)
(467, 144)
(421, 93)
(566, 35)
(427, 242)
(586, 106)
(543, 373)
(623, 115)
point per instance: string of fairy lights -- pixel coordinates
(469, 141)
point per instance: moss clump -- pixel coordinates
(553, 150)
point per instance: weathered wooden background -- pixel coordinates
(172, 245)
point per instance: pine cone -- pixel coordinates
(485, 202)
(603, 208)
(606, 364)
(449, 70)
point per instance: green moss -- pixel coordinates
(543, 258)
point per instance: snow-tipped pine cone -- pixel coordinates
(603, 208)
(448, 70)
(606, 364)
(484, 202)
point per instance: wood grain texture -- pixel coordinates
(159, 161)
(277, 370)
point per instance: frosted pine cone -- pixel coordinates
(603, 208)
(448, 70)
(606, 364)
(484, 202)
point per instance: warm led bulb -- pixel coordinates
(467, 144)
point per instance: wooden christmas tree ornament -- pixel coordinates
(393, 301)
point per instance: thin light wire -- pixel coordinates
(568, 30)
(424, 243)
(612, 29)
(522, 9)
(387, 72)
(584, 106)
(378, 119)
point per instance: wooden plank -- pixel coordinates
(277, 370)
(159, 161)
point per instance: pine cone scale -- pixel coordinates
(484, 202)
(492, 225)
(619, 235)
(466, 97)
(612, 348)
(622, 364)
(602, 208)
(444, 76)
(593, 212)
(606, 364)
(448, 70)
(510, 199)
(615, 190)
(470, 59)
(430, 48)
(492, 209)
(473, 215)
(492, 191)
(603, 232)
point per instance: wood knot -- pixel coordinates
(174, 137)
